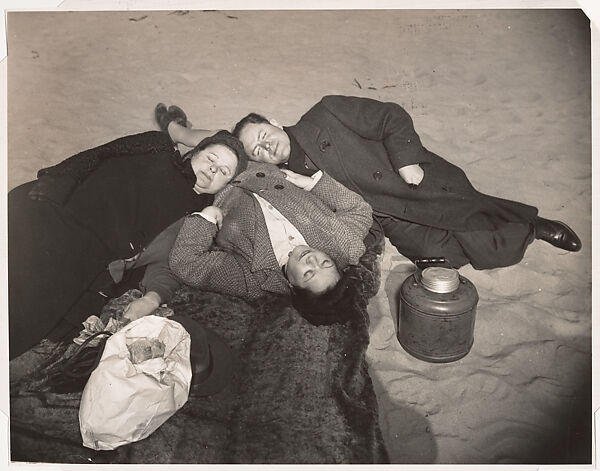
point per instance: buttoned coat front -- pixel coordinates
(362, 143)
(239, 259)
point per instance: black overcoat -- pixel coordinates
(363, 142)
(101, 205)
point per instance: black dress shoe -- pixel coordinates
(178, 115)
(162, 116)
(557, 233)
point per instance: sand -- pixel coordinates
(506, 95)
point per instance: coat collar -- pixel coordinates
(304, 132)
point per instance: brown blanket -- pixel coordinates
(299, 393)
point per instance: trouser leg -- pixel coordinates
(501, 247)
(416, 241)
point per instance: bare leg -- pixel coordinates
(187, 136)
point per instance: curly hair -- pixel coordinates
(336, 304)
(224, 138)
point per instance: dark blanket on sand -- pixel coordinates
(299, 393)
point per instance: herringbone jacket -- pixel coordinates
(239, 260)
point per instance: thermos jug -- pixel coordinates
(436, 318)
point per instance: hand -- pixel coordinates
(214, 213)
(301, 181)
(412, 174)
(142, 307)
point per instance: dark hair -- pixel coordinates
(252, 118)
(227, 139)
(334, 305)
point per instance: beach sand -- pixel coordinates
(504, 94)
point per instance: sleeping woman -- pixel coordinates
(79, 231)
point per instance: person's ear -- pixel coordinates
(275, 123)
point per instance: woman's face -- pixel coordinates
(214, 167)
(311, 269)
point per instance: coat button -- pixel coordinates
(324, 145)
(377, 175)
(279, 187)
(260, 174)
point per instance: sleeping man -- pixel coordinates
(274, 231)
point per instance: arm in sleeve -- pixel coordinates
(349, 207)
(57, 182)
(158, 277)
(195, 262)
(227, 198)
(387, 122)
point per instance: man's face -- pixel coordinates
(214, 167)
(264, 142)
(311, 269)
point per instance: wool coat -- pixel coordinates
(239, 260)
(101, 205)
(363, 142)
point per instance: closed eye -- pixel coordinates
(308, 275)
(257, 147)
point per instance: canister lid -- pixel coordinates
(439, 279)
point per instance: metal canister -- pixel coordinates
(436, 319)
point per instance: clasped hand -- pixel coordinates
(142, 306)
(215, 213)
(301, 181)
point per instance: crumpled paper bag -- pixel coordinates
(93, 325)
(124, 402)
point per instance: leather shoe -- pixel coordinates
(162, 116)
(558, 234)
(178, 115)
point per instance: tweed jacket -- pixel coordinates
(363, 142)
(239, 259)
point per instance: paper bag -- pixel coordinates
(124, 402)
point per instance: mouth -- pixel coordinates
(207, 177)
(298, 252)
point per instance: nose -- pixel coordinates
(212, 169)
(311, 259)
